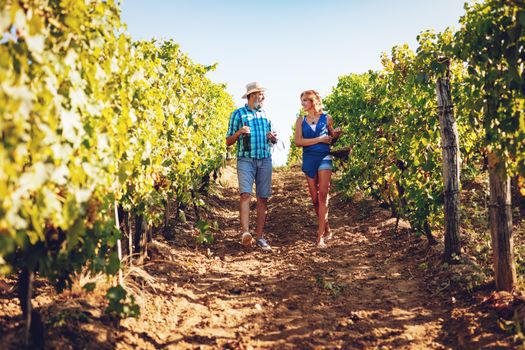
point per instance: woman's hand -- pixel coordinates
(325, 139)
(337, 132)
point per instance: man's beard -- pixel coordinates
(258, 105)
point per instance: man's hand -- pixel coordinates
(245, 130)
(272, 136)
(230, 140)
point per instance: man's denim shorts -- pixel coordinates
(250, 170)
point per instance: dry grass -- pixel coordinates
(135, 280)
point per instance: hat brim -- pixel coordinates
(252, 91)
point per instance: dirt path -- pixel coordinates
(364, 292)
(360, 293)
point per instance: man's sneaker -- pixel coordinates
(261, 243)
(246, 239)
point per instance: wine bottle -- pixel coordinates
(246, 140)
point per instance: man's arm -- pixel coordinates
(234, 129)
(230, 140)
(271, 135)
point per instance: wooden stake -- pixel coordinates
(501, 229)
(451, 171)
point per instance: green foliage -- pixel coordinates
(120, 306)
(90, 119)
(490, 42)
(205, 235)
(334, 288)
(294, 154)
(89, 287)
(390, 117)
(67, 317)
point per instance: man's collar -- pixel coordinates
(252, 109)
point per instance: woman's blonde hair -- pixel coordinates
(315, 98)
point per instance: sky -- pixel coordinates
(287, 45)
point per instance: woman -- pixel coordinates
(314, 132)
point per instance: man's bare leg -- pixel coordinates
(244, 210)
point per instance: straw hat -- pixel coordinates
(253, 87)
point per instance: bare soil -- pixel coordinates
(370, 289)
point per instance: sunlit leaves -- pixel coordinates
(491, 41)
(390, 117)
(87, 118)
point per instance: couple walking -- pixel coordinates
(251, 129)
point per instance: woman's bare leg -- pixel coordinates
(312, 189)
(324, 177)
(314, 195)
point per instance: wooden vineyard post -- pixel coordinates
(141, 238)
(501, 228)
(451, 171)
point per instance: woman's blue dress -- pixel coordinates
(314, 154)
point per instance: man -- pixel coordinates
(252, 131)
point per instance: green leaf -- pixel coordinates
(202, 226)
(89, 287)
(113, 265)
(521, 18)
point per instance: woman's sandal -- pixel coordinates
(321, 244)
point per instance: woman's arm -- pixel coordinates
(335, 133)
(300, 141)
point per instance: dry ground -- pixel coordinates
(368, 290)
